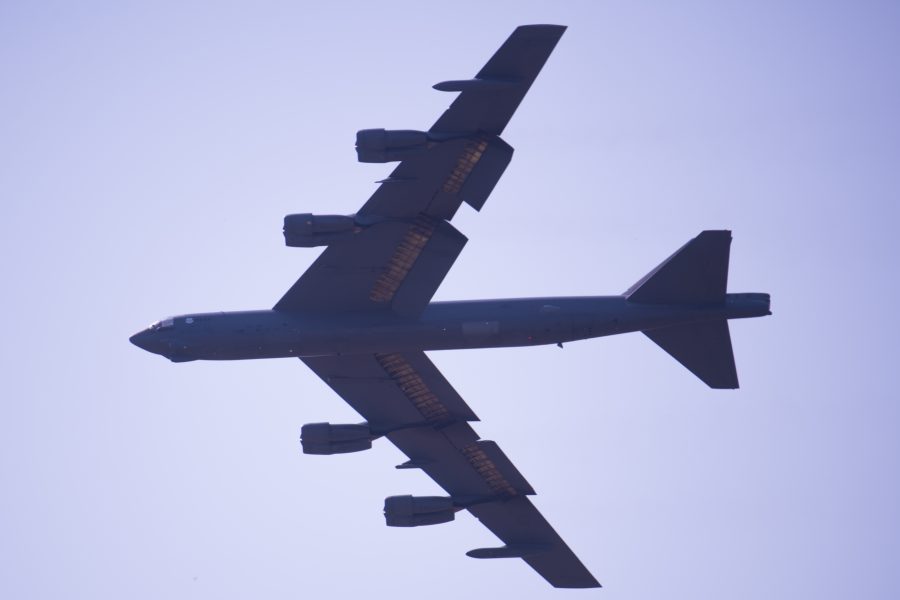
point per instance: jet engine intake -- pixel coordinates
(413, 511)
(385, 145)
(325, 438)
(307, 230)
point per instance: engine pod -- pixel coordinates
(325, 438)
(414, 511)
(307, 230)
(386, 145)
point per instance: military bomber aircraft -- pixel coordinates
(361, 316)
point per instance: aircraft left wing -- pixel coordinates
(402, 245)
(404, 398)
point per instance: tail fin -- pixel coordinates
(696, 274)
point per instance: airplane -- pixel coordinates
(361, 316)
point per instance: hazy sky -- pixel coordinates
(148, 153)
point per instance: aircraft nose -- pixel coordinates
(141, 339)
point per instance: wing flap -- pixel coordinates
(437, 181)
(343, 276)
(415, 290)
(488, 458)
(440, 453)
(477, 171)
(411, 186)
(389, 265)
(392, 390)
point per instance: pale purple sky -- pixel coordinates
(148, 152)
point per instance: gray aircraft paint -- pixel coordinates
(443, 326)
(152, 150)
(360, 316)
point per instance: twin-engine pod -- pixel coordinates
(413, 511)
(308, 230)
(325, 438)
(385, 145)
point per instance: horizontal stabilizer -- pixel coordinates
(703, 347)
(696, 274)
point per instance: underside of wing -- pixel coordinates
(527, 535)
(392, 265)
(391, 256)
(403, 397)
(488, 101)
(396, 250)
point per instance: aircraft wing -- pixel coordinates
(405, 398)
(405, 245)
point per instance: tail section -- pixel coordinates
(697, 274)
(704, 348)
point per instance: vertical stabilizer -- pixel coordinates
(696, 274)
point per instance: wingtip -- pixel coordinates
(542, 29)
(579, 586)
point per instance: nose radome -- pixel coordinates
(140, 339)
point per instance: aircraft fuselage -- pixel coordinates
(443, 326)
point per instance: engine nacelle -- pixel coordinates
(413, 511)
(307, 230)
(325, 438)
(384, 145)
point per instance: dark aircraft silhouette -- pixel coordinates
(361, 316)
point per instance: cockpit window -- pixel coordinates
(164, 324)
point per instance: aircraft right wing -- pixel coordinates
(404, 398)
